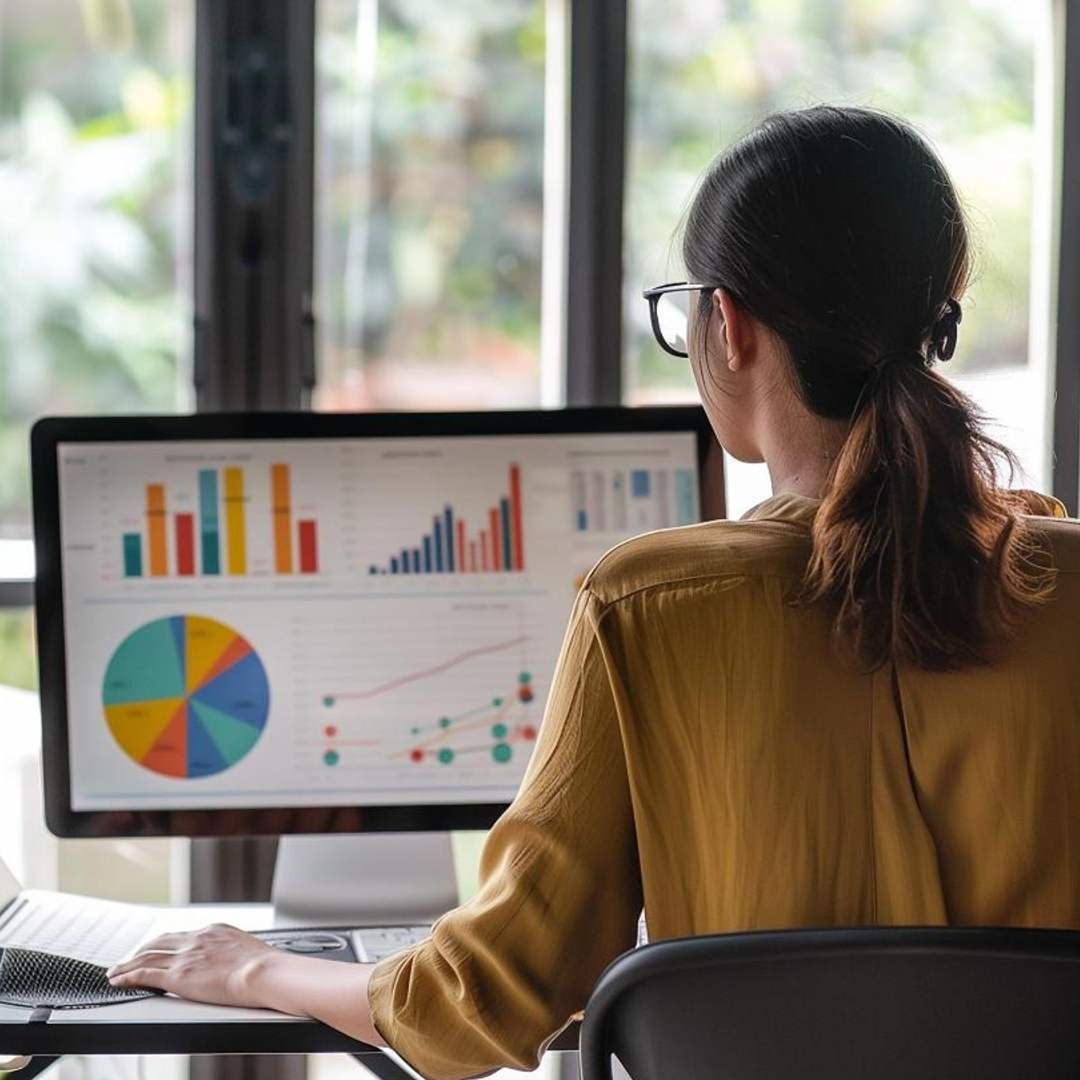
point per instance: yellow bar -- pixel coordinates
(155, 528)
(282, 512)
(235, 524)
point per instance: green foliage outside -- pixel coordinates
(91, 110)
(18, 666)
(703, 74)
(430, 205)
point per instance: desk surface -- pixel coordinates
(166, 1025)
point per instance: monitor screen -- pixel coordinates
(330, 622)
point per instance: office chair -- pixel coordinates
(851, 1004)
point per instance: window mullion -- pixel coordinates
(254, 196)
(1066, 340)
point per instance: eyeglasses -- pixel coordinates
(669, 311)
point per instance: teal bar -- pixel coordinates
(209, 528)
(504, 507)
(685, 501)
(132, 555)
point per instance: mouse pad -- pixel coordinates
(36, 979)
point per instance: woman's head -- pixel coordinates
(837, 250)
(840, 232)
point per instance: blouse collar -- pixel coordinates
(784, 507)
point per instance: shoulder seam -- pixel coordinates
(606, 605)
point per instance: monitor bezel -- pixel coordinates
(50, 432)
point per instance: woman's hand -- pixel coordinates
(220, 965)
(224, 966)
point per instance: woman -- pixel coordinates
(858, 705)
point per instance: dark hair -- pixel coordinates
(840, 230)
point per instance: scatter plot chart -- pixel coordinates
(186, 697)
(488, 730)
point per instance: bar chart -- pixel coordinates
(635, 499)
(456, 546)
(166, 546)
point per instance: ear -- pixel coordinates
(738, 336)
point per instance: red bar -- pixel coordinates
(472, 556)
(309, 548)
(185, 544)
(517, 550)
(496, 539)
(484, 550)
(460, 546)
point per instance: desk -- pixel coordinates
(163, 1025)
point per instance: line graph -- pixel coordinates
(439, 743)
(331, 699)
(437, 696)
(397, 723)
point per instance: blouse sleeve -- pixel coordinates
(559, 895)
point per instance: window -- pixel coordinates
(700, 77)
(429, 203)
(95, 159)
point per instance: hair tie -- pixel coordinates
(943, 331)
(895, 357)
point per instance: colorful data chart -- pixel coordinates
(186, 696)
(632, 500)
(487, 732)
(454, 547)
(172, 551)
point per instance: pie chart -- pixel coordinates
(186, 696)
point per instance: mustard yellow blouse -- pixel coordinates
(706, 755)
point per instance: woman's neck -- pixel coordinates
(801, 455)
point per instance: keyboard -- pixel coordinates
(374, 943)
(97, 931)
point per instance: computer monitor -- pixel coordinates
(275, 623)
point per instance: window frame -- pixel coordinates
(1064, 315)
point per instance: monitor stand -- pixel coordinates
(373, 879)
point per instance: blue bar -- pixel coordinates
(639, 483)
(450, 539)
(406, 564)
(582, 521)
(685, 503)
(132, 555)
(427, 554)
(416, 560)
(373, 569)
(209, 528)
(438, 544)
(504, 506)
(394, 565)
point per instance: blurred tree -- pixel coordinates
(92, 107)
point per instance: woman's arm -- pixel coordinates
(225, 966)
(560, 890)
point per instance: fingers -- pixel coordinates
(177, 940)
(148, 958)
(149, 978)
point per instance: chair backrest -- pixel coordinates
(862, 1004)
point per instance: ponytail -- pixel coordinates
(923, 557)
